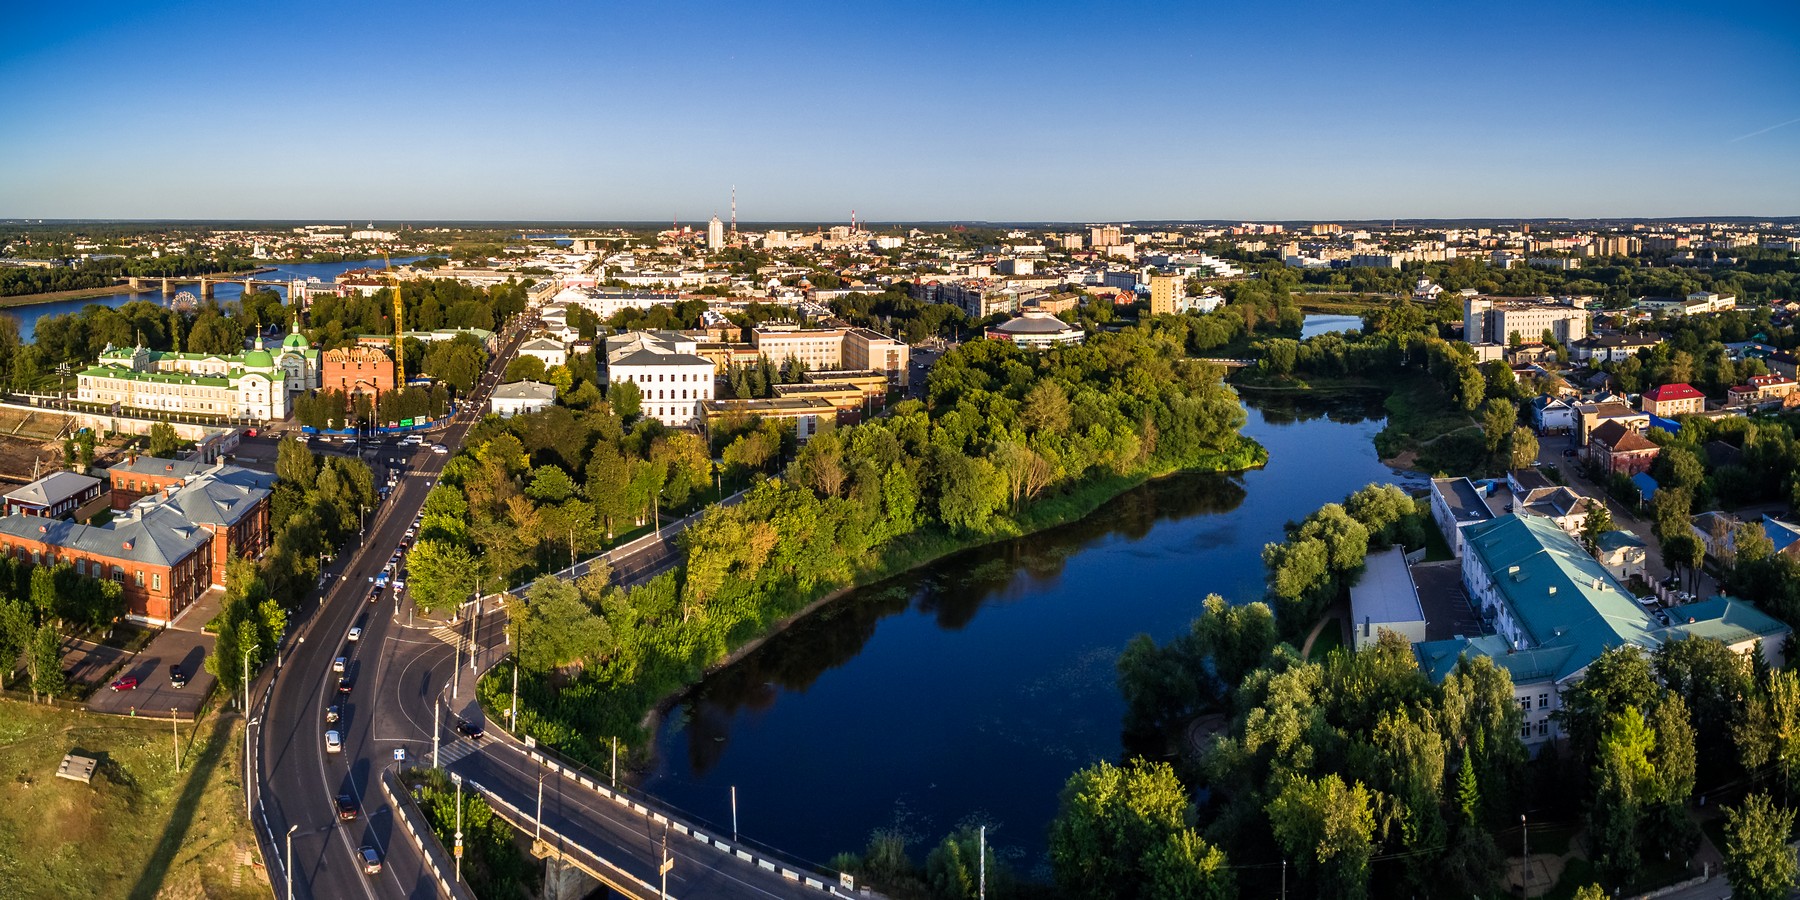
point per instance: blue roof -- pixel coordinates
(1645, 484)
(1669, 425)
(1782, 534)
(1723, 618)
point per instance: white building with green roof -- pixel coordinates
(1555, 609)
(258, 384)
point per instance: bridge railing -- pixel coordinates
(413, 819)
(769, 859)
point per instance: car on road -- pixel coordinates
(346, 806)
(177, 678)
(128, 683)
(333, 713)
(439, 449)
(334, 743)
(337, 665)
(371, 861)
(345, 684)
(470, 730)
(355, 634)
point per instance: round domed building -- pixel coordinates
(1036, 329)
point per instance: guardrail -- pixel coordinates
(423, 837)
(601, 868)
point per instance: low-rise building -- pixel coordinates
(1617, 448)
(806, 414)
(357, 369)
(1552, 415)
(1534, 495)
(1456, 504)
(258, 384)
(1622, 553)
(1671, 400)
(1385, 599)
(1592, 415)
(521, 397)
(53, 496)
(1602, 348)
(553, 352)
(672, 379)
(1036, 330)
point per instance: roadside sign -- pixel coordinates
(406, 423)
(399, 754)
(668, 863)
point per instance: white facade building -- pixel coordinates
(259, 384)
(552, 351)
(520, 397)
(673, 380)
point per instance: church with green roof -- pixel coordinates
(258, 384)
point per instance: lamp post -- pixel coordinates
(290, 859)
(539, 821)
(1525, 853)
(457, 779)
(175, 733)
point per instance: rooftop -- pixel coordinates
(525, 390)
(1385, 592)
(53, 489)
(1464, 499)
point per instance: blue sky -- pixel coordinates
(901, 111)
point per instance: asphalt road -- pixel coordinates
(397, 671)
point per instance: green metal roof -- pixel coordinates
(1722, 618)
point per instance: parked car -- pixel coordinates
(371, 861)
(346, 805)
(334, 743)
(128, 683)
(177, 678)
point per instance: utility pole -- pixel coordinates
(539, 835)
(615, 771)
(437, 712)
(667, 863)
(734, 830)
(1284, 879)
(175, 731)
(512, 715)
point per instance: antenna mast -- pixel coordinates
(734, 209)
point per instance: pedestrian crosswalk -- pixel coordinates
(447, 634)
(455, 750)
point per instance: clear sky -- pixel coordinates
(902, 111)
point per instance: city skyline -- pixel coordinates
(937, 113)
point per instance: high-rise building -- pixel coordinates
(1166, 292)
(715, 234)
(1103, 236)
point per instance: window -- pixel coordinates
(1544, 728)
(139, 578)
(1525, 704)
(1525, 732)
(81, 567)
(156, 582)
(118, 575)
(1543, 701)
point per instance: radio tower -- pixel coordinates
(734, 209)
(853, 221)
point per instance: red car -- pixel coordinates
(128, 683)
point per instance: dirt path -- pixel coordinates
(1337, 614)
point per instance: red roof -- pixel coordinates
(1673, 392)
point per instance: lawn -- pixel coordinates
(140, 830)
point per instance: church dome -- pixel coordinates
(295, 341)
(259, 359)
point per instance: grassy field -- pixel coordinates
(139, 830)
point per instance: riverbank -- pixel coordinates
(915, 551)
(632, 706)
(1339, 303)
(55, 296)
(1425, 431)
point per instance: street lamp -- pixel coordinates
(290, 859)
(457, 779)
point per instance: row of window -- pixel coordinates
(1543, 729)
(665, 376)
(1543, 702)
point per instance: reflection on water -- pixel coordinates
(978, 684)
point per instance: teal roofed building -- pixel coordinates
(1554, 609)
(258, 384)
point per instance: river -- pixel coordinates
(227, 291)
(975, 686)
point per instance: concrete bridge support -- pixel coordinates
(207, 288)
(136, 283)
(168, 288)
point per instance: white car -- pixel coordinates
(355, 634)
(333, 743)
(439, 449)
(337, 665)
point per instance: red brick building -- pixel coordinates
(1617, 448)
(358, 369)
(176, 524)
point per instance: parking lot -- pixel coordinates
(184, 645)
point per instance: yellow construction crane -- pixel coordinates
(399, 341)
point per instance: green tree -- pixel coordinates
(1758, 861)
(164, 442)
(44, 663)
(557, 627)
(440, 574)
(1109, 821)
(1598, 522)
(1186, 866)
(953, 868)
(296, 464)
(1522, 448)
(1328, 828)
(16, 632)
(1498, 418)
(626, 400)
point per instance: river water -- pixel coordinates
(974, 687)
(226, 291)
